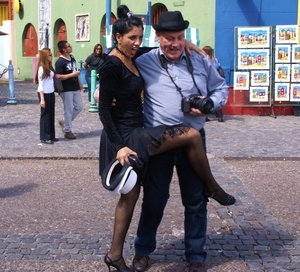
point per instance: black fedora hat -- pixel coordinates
(171, 21)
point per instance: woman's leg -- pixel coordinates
(123, 215)
(198, 159)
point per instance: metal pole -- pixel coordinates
(108, 20)
(93, 105)
(12, 99)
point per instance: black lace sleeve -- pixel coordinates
(110, 81)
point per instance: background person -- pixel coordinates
(169, 67)
(66, 69)
(44, 78)
(92, 62)
(209, 51)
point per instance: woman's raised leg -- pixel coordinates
(198, 159)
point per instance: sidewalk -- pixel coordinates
(55, 215)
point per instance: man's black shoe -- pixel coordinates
(140, 263)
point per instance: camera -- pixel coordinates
(205, 105)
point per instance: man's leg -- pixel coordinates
(67, 98)
(156, 195)
(195, 204)
(195, 214)
(78, 105)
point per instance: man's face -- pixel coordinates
(171, 43)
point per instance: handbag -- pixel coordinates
(58, 86)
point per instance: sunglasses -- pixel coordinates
(98, 48)
(50, 55)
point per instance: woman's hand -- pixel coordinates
(123, 153)
(190, 46)
(42, 103)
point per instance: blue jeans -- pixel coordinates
(156, 195)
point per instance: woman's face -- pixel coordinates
(130, 42)
(98, 50)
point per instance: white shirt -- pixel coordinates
(46, 85)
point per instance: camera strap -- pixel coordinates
(190, 67)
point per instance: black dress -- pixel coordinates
(123, 123)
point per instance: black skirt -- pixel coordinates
(144, 141)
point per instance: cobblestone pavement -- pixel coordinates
(55, 215)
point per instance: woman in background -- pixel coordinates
(44, 78)
(93, 62)
(209, 51)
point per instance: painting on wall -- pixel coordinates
(286, 34)
(258, 94)
(251, 37)
(282, 72)
(82, 27)
(241, 81)
(260, 78)
(295, 53)
(295, 92)
(295, 73)
(283, 53)
(253, 59)
(282, 91)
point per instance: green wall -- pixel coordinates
(200, 14)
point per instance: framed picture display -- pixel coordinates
(251, 37)
(295, 73)
(295, 92)
(282, 72)
(258, 94)
(253, 59)
(282, 91)
(286, 34)
(295, 53)
(260, 78)
(82, 27)
(241, 81)
(283, 53)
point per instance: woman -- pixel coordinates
(209, 51)
(124, 132)
(44, 78)
(93, 62)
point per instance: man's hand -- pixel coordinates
(196, 112)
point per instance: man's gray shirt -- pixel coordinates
(162, 102)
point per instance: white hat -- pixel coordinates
(118, 179)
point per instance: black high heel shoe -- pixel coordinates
(119, 264)
(221, 196)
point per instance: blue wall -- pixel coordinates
(234, 13)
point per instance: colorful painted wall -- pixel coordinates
(200, 14)
(215, 19)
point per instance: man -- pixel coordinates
(66, 69)
(169, 79)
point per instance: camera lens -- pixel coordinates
(205, 105)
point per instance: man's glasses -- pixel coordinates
(68, 46)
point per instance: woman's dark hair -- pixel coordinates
(125, 22)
